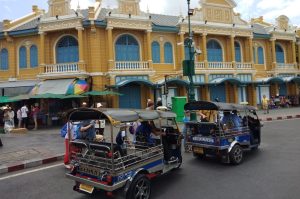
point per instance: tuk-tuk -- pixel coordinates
(101, 165)
(226, 130)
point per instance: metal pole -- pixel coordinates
(191, 92)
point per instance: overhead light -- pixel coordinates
(56, 16)
(191, 12)
(205, 21)
(129, 15)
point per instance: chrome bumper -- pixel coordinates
(95, 184)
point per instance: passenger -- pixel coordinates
(226, 120)
(87, 130)
(145, 133)
(120, 140)
(237, 120)
(73, 135)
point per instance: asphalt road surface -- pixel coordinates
(272, 172)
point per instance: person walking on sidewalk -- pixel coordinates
(24, 114)
(265, 104)
(35, 111)
(11, 115)
(19, 117)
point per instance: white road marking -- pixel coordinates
(31, 171)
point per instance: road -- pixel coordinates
(272, 172)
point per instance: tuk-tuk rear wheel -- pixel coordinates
(236, 155)
(140, 188)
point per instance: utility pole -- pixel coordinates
(189, 65)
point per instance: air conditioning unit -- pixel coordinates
(11, 79)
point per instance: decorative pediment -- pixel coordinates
(226, 3)
(218, 11)
(129, 7)
(282, 22)
(59, 8)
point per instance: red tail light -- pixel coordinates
(109, 179)
(109, 154)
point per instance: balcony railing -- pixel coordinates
(220, 65)
(199, 65)
(286, 66)
(61, 68)
(134, 65)
(240, 65)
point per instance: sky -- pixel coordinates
(270, 9)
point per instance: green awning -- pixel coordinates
(100, 93)
(48, 96)
(72, 96)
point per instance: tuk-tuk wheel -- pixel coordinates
(236, 155)
(140, 188)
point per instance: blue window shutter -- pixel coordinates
(279, 54)
(214, 51)
(4, 59)
(127, 49)
(155, 52)
(238, 57)
(67, 50)
(260, 54)
(168, 53)
(22, 57)
(33, 56)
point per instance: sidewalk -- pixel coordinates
(35, 148)
(279, 114)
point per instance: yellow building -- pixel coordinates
(136, 53)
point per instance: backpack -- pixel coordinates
(131, 130)
(64, 130)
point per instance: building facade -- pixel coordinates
(137, 53)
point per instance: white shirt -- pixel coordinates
(24, 111)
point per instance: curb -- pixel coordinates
(269, 119)
(29, 164)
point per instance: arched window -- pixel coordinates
(155, 52)
(127, 49)
(186, 49)
(214, 51)
(279, 54)
(260, 55)
(238, 54)
(168, 53)
(4, 59)
(33, 56)
(67, 50)
(23, 57)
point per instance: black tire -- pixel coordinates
(140, 188)
(236, 155)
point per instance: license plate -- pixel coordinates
(86, 188)
(198, 150)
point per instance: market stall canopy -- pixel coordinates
(14, 88)
(61, 87)
(77, 87)
(72, 96)
(100, 93)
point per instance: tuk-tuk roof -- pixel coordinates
(167, 114)
(147, 115)
(96, 114)
(206, 105)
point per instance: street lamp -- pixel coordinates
(189, 65)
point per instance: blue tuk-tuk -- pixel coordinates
(226, 130)
(110, 167)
